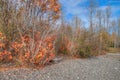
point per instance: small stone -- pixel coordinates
(116, 68)
(78, 78)
(48, 76)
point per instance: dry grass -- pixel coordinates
(113, 50)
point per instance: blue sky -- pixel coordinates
(71, 8)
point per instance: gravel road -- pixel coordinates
(106, 67)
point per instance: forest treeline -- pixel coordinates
(30, 33)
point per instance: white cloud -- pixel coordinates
(71, 7)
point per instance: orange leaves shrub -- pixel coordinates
(5, 55)
(29, 50)
(20, 27)
(48, 5)
(16, 46)
(45, 50)
(62, 44)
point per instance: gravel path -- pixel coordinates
(105, 67)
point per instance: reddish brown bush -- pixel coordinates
(29, 50)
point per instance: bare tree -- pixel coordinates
(118, 32)
(108, 15)
(92, 9)
(114, 30)
(99, 18)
